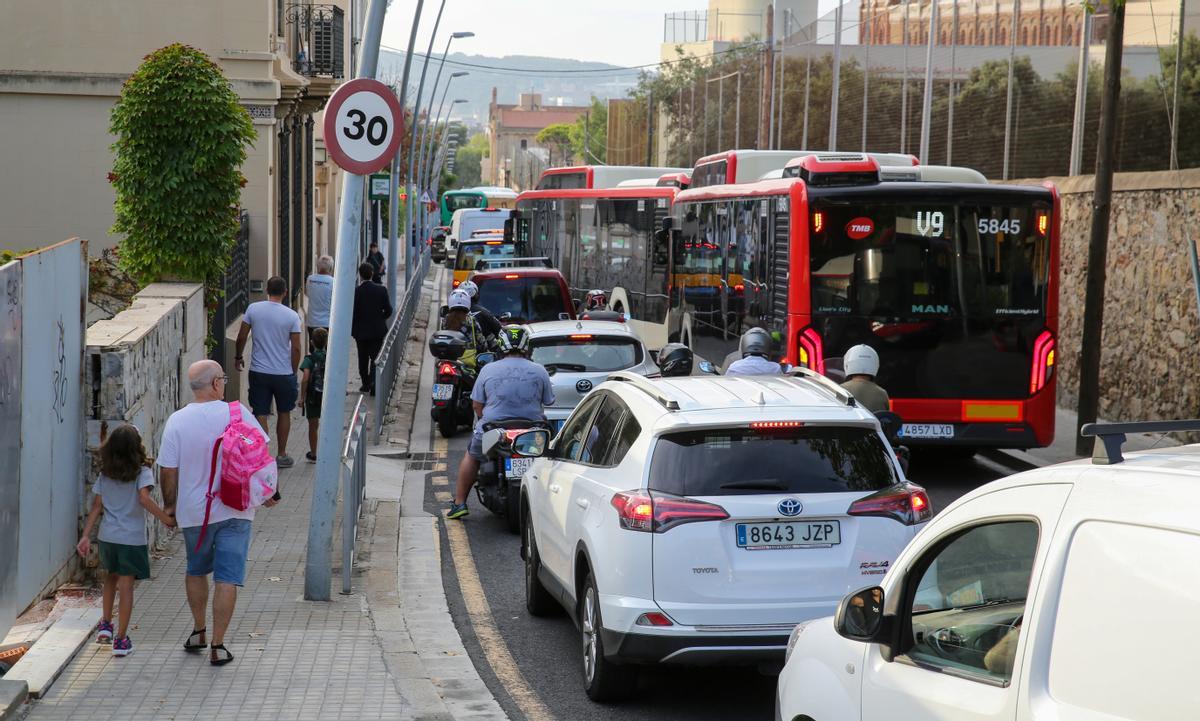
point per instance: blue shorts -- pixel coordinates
(222, 552)
(267, 387)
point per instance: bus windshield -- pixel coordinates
(458, 201)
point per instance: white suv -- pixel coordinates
(697, 520)
(1066, 592)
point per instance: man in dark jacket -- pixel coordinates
(372, 308)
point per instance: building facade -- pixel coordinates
(63, 64)
(515, 158)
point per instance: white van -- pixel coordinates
(1066, 592)
(466, 221)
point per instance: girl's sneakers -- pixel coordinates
(122, 647)
(104, 632)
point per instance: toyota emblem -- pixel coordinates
(790, 507)
(583, 386)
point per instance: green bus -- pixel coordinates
(480, 197)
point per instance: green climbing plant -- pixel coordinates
(181, 141)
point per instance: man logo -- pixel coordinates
(790, 507)
(860, 228)
(583, 386)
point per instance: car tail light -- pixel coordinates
(812, 350)
(1043, 362)
(659, 513)
(447, 369)
(775, 425)
(654, 619)
(511, 276)
(494, 242)
(906, 503)
(456, 283)
(581, 336)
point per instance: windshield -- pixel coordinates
(525, 299)
(738, 461)
(580, 355)
(458, 201)
(468, 253)
(469, 223)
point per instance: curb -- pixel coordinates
(13, 695)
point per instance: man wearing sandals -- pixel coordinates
(184, 462)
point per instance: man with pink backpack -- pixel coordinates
(215, 468)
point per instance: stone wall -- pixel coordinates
(1150, 368)
(137, 365)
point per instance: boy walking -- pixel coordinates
(312, 388)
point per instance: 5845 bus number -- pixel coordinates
(992, 226)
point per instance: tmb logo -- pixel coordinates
(860, 228)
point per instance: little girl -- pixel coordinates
(123, 496)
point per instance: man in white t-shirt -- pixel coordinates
(185, 462)
(274, 362)
(319, 290)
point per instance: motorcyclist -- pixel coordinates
(460, 318)
(755, 348)
(861, 364)
(508, 388)
(487, 321)
(595, 300)
(675, 359)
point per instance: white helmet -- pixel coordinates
(861, 359)
(469, 288)
(459, 299)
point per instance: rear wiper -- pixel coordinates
(570, 367)
(755, 485)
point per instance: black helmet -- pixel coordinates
(755, 341)
(513, 339)
(675, 359)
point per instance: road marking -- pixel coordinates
(443, 496)
(499, 657)
(439, 480)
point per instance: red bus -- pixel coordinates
(748, 166)
(579, 177)
(955, 284)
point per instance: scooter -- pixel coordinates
(453, 382)
(509, 448)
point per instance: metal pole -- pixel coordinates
(904, 87)
(426, 178)
(835, 92)
(393, 253)
(867, 77)
(426, 136)
(706, 81)
(787, 27)
(927, 100)
(807, 81)
(1081, 84)
(409, 223)
(649, 128)
(317, 566)
(1175, 103)
(771, 108)
(953, 84)
(720, 110)
(1008, 106)
(737, 121)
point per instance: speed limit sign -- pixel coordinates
(363, 125)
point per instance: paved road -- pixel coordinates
(546, 652)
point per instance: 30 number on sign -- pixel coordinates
(362, 125)
(376, 129)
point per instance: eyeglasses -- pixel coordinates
(223, 379)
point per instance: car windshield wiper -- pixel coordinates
(570, 367)
(755, 485)
(990, 602)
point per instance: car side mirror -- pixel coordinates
(484, 358)
(860, 616)
(444, 311)
(532, 443)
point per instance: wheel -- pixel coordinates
(512, 509)
(447, 422)
(538, 600)
(603, 680)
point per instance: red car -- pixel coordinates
(525, 295)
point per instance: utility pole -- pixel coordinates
(953, 88)
(771, 108)
(867, 75)
(1093, 300)
(787, 32)
(768, 85)
(1175, 103)
(393, 251)
(706, 82)
(1008, 106)
(927, 99)
(649, 128)
(807, 82)
(737, 113)
(1081, 86)
(835, 91)
(587, 130)
(904, 87)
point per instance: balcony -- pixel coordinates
(316, 35)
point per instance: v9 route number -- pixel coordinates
(993, 226)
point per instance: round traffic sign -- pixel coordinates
(363, 125)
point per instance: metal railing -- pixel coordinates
(391, 354)
(318, 39)
(236, 287)
(354, 486)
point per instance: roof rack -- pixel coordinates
(646, 386)
(1111, 436)
(839, 393)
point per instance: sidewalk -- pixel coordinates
(295, 659)
(1063, 447)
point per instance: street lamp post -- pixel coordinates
(443, 149)
(424, 176)
(412, 151)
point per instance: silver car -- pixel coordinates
(580, 355)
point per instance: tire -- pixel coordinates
(512, 509)
(538, 601)
(603, 680)
(447, 422)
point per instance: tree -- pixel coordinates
(468, 164)
(557, 139)
(181, 141)
(589, 134)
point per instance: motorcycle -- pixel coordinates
(890, 422)
(453, 382)
(509, 448)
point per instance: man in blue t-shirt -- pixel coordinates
(274, 362)
(513, 387)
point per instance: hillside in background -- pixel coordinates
(556, 87)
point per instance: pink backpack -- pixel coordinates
(249, 476)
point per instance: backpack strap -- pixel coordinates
(212, 474)
(235, 412)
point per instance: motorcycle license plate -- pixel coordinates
(926, 430)
(516, 467)
(801, 534)
(442, 391)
